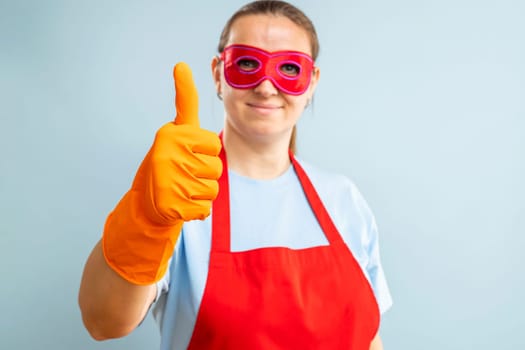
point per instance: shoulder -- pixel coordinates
(336, 189)
(347, 208)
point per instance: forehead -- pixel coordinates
(270, 33)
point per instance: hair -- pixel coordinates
(275, 8)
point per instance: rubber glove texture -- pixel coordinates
(176, 182)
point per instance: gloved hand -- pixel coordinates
(176, 182)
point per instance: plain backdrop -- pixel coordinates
(421, 103)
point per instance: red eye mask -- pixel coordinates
(246, 67)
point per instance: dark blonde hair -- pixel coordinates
(275, 8)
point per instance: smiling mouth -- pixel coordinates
(263, 106)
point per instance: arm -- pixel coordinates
(376, 343)
(176, 182)
(111, 307)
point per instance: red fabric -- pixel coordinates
(245, 67)
(280, 298)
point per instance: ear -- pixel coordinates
(216, 67)
(316, 74)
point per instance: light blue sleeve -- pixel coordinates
(163, 284)
(358, 226)
(369, 252)
(375, 272)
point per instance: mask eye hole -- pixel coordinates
(248, 65)
(290, 69)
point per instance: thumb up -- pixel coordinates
(186, 97)
(182, 166)
(176, 182)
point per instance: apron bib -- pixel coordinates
(281, 298)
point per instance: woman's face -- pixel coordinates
(263, 113)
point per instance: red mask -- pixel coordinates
(246, 67)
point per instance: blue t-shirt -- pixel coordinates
(266, 213)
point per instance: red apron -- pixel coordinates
(281, 298)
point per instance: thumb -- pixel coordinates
(186, 97)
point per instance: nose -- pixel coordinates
(266, 88)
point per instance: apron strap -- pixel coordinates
(324, 219)
(221, 210)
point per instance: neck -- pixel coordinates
(256, 159)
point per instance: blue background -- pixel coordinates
(421, 103)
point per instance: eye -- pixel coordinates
(290, 69)
(247, 65)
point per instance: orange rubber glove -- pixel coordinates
(176, 182)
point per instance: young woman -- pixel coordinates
(288, 258)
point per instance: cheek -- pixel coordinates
(233, 100)
(231, 94)
(298, 103)
(227, 90)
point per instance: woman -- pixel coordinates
(289, 257)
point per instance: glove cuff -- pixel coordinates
(135, 247)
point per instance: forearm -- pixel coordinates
(111, 307)
(376, 344)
